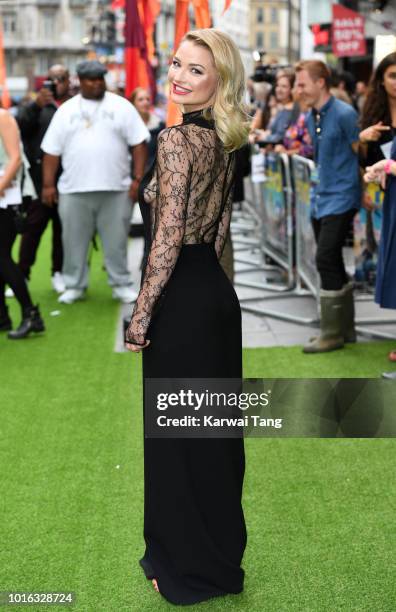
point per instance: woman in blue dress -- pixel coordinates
(384, 172)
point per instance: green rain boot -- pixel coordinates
(348, 320)
(349, 332)
(331, 323)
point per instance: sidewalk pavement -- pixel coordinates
(265, 331)
(260, 331)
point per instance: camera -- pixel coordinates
(267, 73)
(51, 85)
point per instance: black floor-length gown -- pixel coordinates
(194, 525)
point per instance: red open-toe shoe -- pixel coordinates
(392, 355)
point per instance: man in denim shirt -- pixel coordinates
(335, 197)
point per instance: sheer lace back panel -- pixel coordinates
(193, 161)
(190, 198)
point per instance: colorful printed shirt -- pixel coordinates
(297, 137)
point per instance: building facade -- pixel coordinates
(275, 29)
(39, 33)
(236, 23)
(380, 28)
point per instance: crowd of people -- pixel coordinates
(348, 129)
(85, 155)
(78, 158)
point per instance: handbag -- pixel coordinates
(20, 216)
(21, 210)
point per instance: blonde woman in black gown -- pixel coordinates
(187, 321)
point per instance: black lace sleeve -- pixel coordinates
(174, 163)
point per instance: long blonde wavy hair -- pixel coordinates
(232, 122)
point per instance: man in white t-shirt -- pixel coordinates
(93, 135)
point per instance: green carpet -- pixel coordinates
(320, 512)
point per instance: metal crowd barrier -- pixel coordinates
(273, 211)
(306, 271)
(271, 204)
(274, 222)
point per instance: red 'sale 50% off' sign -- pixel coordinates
(348, 32)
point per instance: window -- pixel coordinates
(48, 25)
(274, 40)
(274, 15)
(9, 24)
(71, 61)
(260, 16)
(9, 64)
(78, 27)
(43, 64)
(259, 40)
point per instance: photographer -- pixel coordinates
(33, 120)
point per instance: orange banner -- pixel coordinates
(182, 22)
(202, 13)
(137, 66)
(152, 12)
(227, 5)
(138, 77)
(182, 25)
(5, 96)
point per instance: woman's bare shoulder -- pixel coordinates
(6, 119)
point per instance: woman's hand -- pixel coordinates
(262, 134)
(376, 173)
(136, 348)
(373, 132)
(257, 134)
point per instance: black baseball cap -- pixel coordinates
(91, 69)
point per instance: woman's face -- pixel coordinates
(143, 102)
(389, 81)
(193, 77)
(283, 90)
